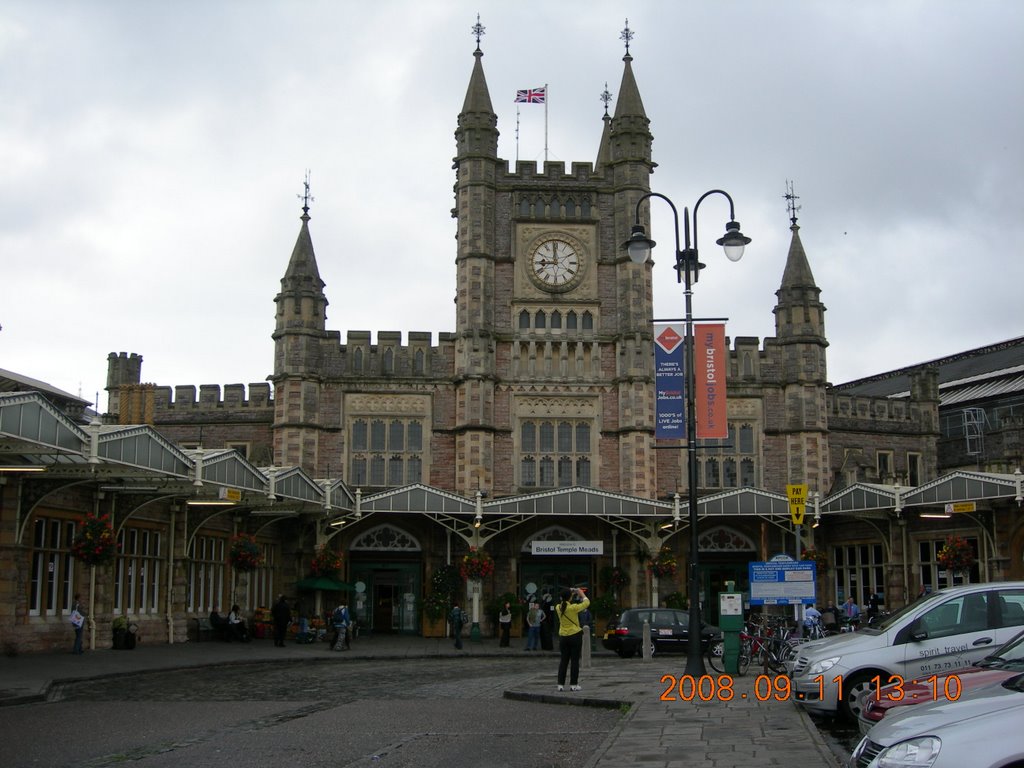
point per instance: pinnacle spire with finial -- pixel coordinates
(478, 31)
(791, 199)
(306, 197)
(606, 96)
(626, 36)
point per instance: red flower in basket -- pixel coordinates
(477, 564)
(94, 543)
(326, 562)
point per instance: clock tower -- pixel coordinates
(553, 349)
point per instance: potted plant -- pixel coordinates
(94, 542)
(245, 554)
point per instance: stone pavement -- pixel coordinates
(718, 725)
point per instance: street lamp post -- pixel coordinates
(688, 269)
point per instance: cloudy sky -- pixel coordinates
(152, 154)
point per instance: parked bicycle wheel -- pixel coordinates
(716, 656)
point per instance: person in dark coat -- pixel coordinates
(282, 616)
(550, 625)
(457, 618)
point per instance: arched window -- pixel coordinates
(417, 361)
(359, 435)
(415, 436)
(571, 320)
(377, 432)
(547, 436)
(396, 436)
(729, 471)
(396, 476)
(357, 360)
(524, 207)
(712, 479)
(528, 436)
(564, 471)
(564, 437)
(377, 470)
(746, 473)
(556, 319)
(746, 439)
(541, 320)
(570, 208)
(524, 320)
(588, 321)
(389, 360)
(528, 472)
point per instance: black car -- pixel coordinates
(670, 632)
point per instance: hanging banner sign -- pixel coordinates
(710, 364)
(669, 382)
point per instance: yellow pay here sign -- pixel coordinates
(797, 495)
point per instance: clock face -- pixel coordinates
(555, 264)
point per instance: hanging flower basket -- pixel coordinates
(94, 543)
(613, 578)
(326, 562)
(816, 556)
(477, 564)
(245, 554)
(664, 563)
(956, 555)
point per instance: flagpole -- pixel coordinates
(517, 135)
(546, 94)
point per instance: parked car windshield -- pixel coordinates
(1009, 656)
(884, 624)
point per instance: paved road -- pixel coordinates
(314, 713)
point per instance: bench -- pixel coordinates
(207, 631)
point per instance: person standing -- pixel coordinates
(78, 622)
(570, 636)
(534, 619)
(457, 618)
(548, 628)
(505, 624)
(851, 611)
(282, 616)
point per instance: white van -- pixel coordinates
(934, 636)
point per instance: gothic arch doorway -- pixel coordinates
(725, 553)
(541, 575)
(387, 571)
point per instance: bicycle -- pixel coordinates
(716, 655)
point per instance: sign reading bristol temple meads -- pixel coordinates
(567, 548)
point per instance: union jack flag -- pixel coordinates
(532, 95)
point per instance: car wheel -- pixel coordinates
(853, 689)
(640, 648)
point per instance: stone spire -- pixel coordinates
(477, 131)
(302, 304)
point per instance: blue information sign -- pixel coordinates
(783, 583)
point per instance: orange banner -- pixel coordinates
(711, 362)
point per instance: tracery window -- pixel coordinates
(392, 456)
(555, 453)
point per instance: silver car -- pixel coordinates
(982, 729)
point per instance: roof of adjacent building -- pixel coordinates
(995, 370)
